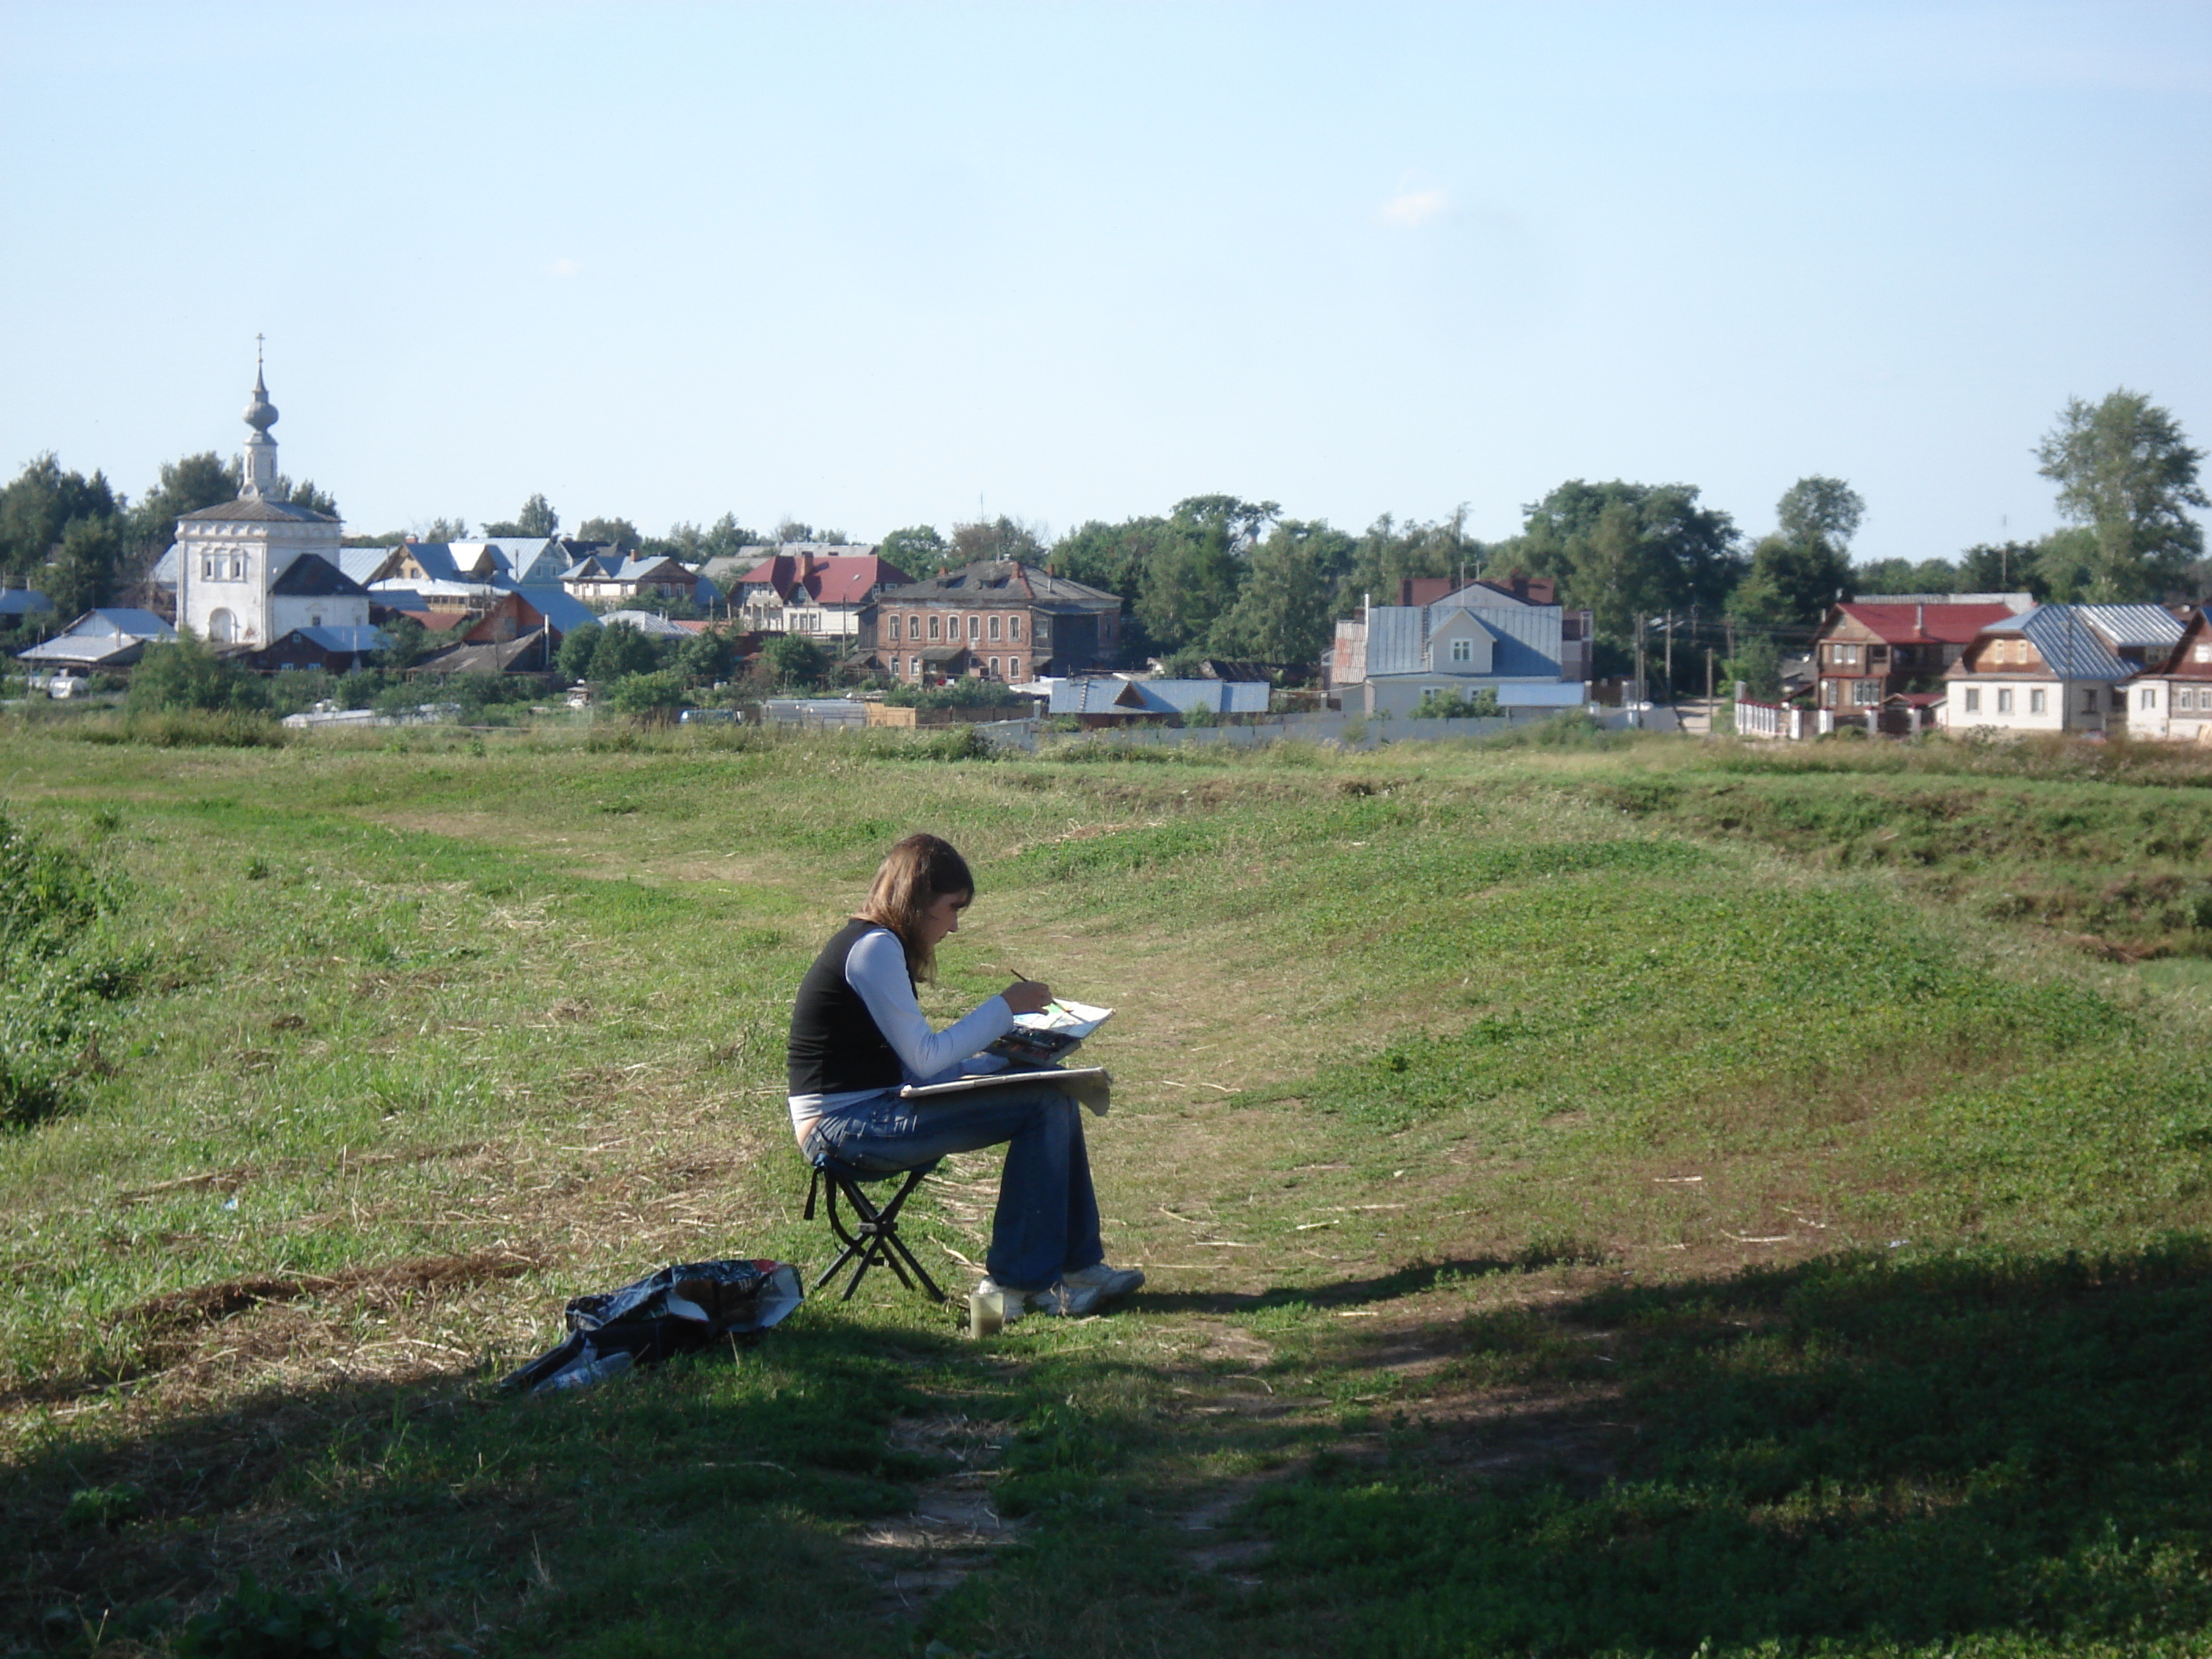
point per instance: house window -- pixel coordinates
(2185, 699)
(2004, 701)
(932, 628)
(2035, 701)
(913, 668)
(1014, 628)
(1462, 651)
(2088, 699)
(1013, 668)
(1866, 691)
(1828, 692)
(1973, 700)
(894, 630)
(2149, 699)
(994, 634)
(974, 628)
(2202, 653)
(994, 668)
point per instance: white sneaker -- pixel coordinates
(1083, 1290)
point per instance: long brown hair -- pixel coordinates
(917, 872)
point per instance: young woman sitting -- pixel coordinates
(858, 1035)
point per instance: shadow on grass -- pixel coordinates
(530, 1524)
(1854, 1451)
(1358, 1292)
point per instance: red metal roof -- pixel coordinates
(1926, 624)
(843, 578)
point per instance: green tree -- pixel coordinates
(537, 517)
(999, 538)
(1904, 576)
(1286, 610)
(620, 533)
(619, 652)
(1197, 569)
(304, 494)
(794, 530)
(442, 530)
(1390, 552)
(185, 485)
(84, 573)
(650, 699)
(185, 674)
(1805, 566)
(706, 657)
(1757, 664)
(793, 660)
(2125, 472)
(1620, 549)
(38, 507)
(577, 647)
(1820, 509)
(2001, 568)
(917, 549)
(406, 643)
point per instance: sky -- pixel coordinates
(878, 265)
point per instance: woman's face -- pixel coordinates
(943, 917)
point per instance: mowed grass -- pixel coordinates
(1589, 1203)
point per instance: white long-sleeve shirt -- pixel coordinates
(876, 967)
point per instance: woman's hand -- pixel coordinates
(1028, 996)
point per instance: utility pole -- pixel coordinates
(1709, 683)
(1638, 696)
(1670, 656)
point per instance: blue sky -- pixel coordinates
(878, 265)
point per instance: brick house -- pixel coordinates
(825, 595)
(1000, 618)
(1870, 650)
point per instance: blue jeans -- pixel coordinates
(1046, 1222)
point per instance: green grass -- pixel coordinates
(1595, 1199)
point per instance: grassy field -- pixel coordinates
(1594, 1200)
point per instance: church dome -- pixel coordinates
(260, 414)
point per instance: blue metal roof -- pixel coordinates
(24, 602)
(2072, 649)
(2148, 627)
(344, 639)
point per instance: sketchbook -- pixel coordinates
(1052, 1035)
(1090, 1084)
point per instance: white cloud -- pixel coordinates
(1412, 208)
(565, 267)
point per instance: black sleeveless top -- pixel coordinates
(834, 1046)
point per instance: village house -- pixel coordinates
(1512, 639)
(1870, 651)
(111, 637)
(600, 578)
(1000, 618)
(826, 596)
(2054, 668)
(2171, 697)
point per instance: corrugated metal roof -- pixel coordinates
(24, 602)
(361, 563)
(1528, 641)
(344, 638)
(2146, 627)
(2069, 646)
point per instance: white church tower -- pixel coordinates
(239, 576)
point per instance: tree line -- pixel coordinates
(1220, 576)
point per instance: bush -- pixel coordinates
(1440, 703)
(966, 693)
(650, 699)
(187, 675)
